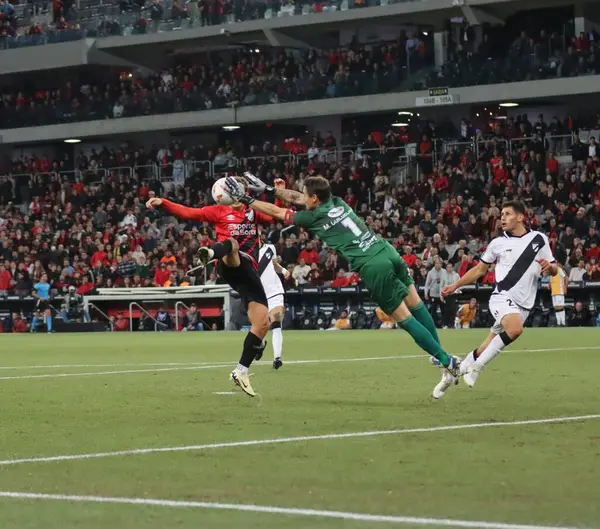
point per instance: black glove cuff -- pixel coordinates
(247, 200)
(270, 192)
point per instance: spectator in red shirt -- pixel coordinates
(350, 198)
(162, 275)
(100, 256)
(409, 257)
(19, 324)
(552, 164)
(5, 279)
(341, 280)
(441, 184)
(451, 210)
(466, 264)
(120, 324)
(593, 252)
(500, 174)
(490, 277)
(309, 254)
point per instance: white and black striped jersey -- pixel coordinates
(517, 269)
(266, 270)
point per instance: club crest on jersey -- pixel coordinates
(249, 215)
(335, 212)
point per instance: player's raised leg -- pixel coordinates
(219, 250)
(242, 277)
(276, 320)
(506, 331)
(384, 276)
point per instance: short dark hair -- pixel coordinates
(318, 186)
(516, 205)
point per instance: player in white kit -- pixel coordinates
(268, 268)
(521, 256)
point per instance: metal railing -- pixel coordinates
(403, 157)
(134, 304)
(102, 313)
(182, 304)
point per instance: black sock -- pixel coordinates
(222, 249)
(475, 354)
(252, 344)
(505, 338)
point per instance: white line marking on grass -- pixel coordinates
(305, 438)
(289, 511)
(288, 362)
(199, 367)
(132, 364)
(121, 372)
(226, 393)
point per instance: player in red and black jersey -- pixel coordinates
(236, 250)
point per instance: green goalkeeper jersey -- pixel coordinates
(336, 224)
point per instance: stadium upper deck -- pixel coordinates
(533, 76)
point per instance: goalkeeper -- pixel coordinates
(380, 266)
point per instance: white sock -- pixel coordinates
(277, 337)
(466, 362)
(560, 317)
(490, 352)
(242, 369)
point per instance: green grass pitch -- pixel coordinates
(82, 394)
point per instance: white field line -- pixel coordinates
(314, 361)
(199, 367)
(128, 364)
(289, 511)
(300, 439)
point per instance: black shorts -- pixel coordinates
(244, 279)
(42, 305)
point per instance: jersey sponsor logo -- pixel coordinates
(235, 230)
(335, 212)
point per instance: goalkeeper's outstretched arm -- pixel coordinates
(272, 210)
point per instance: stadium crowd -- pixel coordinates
(283, 75)
(99, 235)
(241, 78)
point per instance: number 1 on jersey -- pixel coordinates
(352, 226)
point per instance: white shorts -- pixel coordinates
(558, 301)
(273, 290)
(500, 306)
(275, 301)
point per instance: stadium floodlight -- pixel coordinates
(72, 140)
(405, 113)
(509, 105)
(400, 124)
(229, 128)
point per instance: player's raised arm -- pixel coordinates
(472, 276)
(287, 195)
(237, 192)
(179, 211)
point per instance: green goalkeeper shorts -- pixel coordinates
(388, 279)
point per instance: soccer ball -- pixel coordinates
(220, 193)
